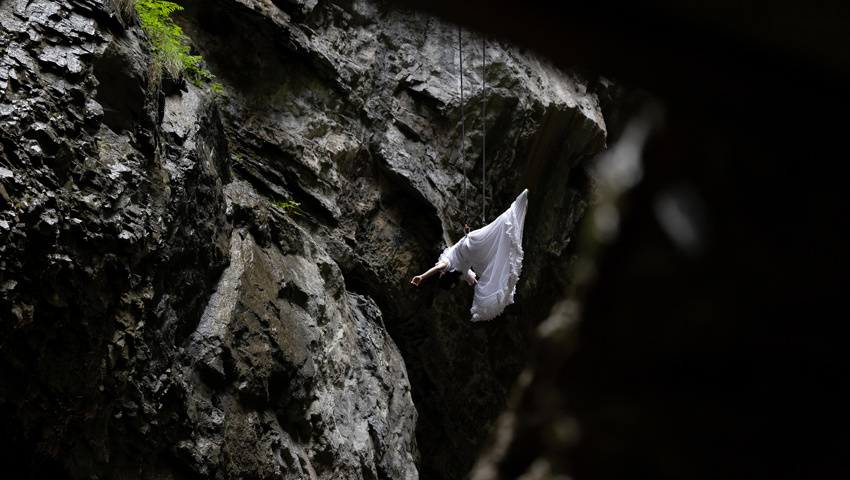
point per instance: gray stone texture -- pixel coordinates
(163, 319)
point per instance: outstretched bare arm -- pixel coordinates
(436, 268)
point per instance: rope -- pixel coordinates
(462, 132)
(483, 130)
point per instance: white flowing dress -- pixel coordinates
(495, 253)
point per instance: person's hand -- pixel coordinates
(416, 280)
(474, 282)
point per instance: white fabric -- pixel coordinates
(495, 253)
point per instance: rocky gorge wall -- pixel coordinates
(161, 318)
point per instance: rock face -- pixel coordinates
(161, 318)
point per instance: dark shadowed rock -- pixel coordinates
(163, 316)
(354, 111)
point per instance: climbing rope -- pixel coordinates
(462, 132)
(483, 132)
(483, 129)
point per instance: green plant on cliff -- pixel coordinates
(168, 43)
(288, 206)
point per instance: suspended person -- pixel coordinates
(495, 253)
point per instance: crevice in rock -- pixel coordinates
(120, 91)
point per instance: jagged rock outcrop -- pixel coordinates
(113, 233)
(162, 319)
(291, 375)
(354, 111)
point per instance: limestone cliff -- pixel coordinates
(161, 318)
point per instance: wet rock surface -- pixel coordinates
(354, 111)
(162, 317)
